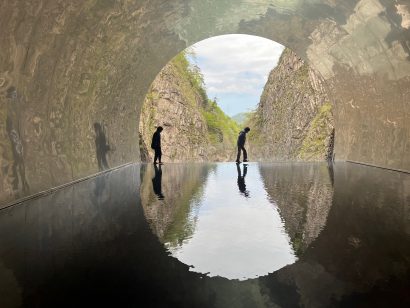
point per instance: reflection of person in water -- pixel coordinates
(157, 182)
(18, 168)
(241, 180)
(331, 172)
(101, 146)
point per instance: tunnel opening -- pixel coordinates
(291, 119)
(278, 95)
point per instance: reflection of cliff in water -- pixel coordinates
(172, 218)
(90, 243)
(303, 194)
(360, 258)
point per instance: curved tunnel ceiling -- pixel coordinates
(67, 65)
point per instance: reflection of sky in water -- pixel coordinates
(235, 237)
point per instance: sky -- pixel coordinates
(236, 68)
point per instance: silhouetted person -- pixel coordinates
(241, 180)
(101, 147)
(157, 182)
(241, 145)
(156, 144)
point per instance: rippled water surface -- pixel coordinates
(208, 235)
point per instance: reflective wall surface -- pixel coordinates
(104, 241)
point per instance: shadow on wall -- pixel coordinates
(18, 169)
(102, 146)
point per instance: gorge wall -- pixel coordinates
(294, 119)
(195, 128)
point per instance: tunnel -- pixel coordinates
(68, 68)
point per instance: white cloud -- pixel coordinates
(236, 63)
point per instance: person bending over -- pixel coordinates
(241, 145)
(156, 145)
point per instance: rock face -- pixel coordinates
(174, 105)
(182, 108)
(294, 117)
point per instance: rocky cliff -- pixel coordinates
(294, 117)
(195, 128)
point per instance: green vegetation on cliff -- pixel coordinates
(316, 143)
(241, 118)
(220, 127)
(293, 120)
(196, 128)
(190, 73)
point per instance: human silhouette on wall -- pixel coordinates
(101, 146)
(241, 179)
(18, 168)
(241, 145)
(156, 145)
(157, 182)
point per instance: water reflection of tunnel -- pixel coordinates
(65, 247)
(73, 64)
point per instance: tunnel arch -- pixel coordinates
(69, 64)
(167, 100)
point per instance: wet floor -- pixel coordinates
(213, 235)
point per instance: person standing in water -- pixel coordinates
(241, 145)
(156, 145)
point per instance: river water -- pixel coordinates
(213, 235)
